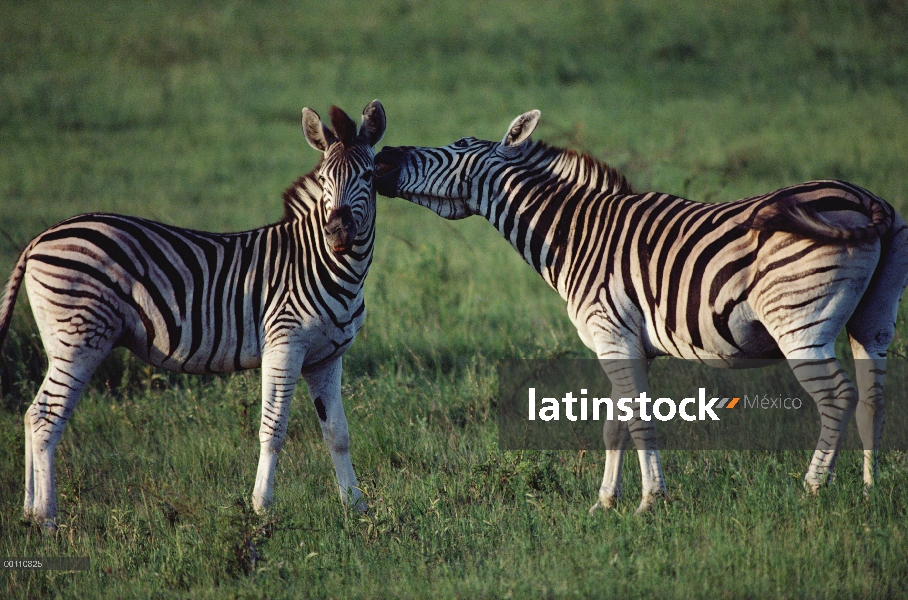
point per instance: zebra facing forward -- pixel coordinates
(647, 275)
(287, 297)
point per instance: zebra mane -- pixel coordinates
(595, 172)
(300, 198)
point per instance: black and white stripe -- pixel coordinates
(645, 275)
(287, 297)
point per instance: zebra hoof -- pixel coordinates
(812, 488)
(868, 491)
(814, 481)
(261, 507)
(648, 503)
(607, 503)
(48, 526)
(644, 508)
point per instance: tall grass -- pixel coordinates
(189, 114)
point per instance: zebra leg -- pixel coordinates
(44, 423)
(870, 372)
(629, 380)
(281, 366)
(836, 398)
(616, 436)
(28, 508)
(325, 390)
(870, 330)
(644, 435)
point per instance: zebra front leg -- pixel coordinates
(629, 380)
(325, 389)
(44, 423)
(616, 436)
(281, 366)
(836, 398)
(644, 436)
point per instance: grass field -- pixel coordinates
(188, 112)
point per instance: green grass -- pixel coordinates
(189, 113)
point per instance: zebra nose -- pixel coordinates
(387, 170)
(340, 230)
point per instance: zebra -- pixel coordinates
(647, 275)
(287, 297)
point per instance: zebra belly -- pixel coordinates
(226, 354)
(737, 336)
(320, 343)
(236, 351)
(755, 343)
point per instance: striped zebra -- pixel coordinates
(647, 275)
(287, 297)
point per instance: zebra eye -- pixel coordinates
(461, 143)
(367, 176)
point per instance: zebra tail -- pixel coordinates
(10, 293)
(792, 216)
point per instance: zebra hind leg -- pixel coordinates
(44, 423)
(870, 372)
(836, 399)
(870, 331)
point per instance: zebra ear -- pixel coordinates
(521, 129)
(374, 123)
(318, 136)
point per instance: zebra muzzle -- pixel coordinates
(387, 171)
(340, 230)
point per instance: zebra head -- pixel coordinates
(345, 172)
(445, 179)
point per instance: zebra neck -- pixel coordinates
(359, 258)
(348, 268)
(534, 205)
(301, 198)
(521, 223)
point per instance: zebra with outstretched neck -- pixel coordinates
(287, 297)
(647, 275)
